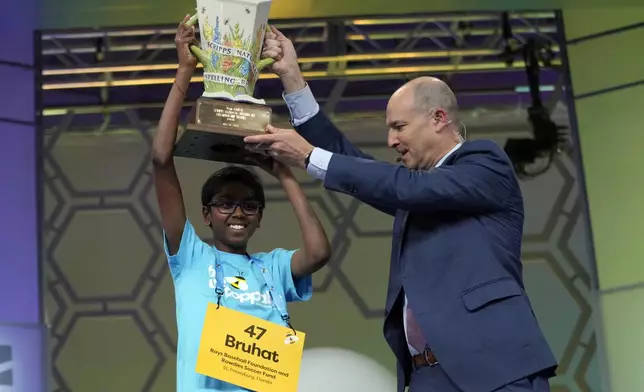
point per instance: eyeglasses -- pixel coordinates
(249, 207)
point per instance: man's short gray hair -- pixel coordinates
(433, 93)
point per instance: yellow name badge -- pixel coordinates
(249, 352)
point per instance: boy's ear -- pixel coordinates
(205, 212)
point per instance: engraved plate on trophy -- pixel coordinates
(218, 131)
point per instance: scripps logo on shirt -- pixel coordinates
(236, 287)
(254, 298)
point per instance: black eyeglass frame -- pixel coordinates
(219, 205)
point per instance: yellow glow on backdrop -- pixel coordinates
(611, 144)
(604, 53)
(64, 14)
(608, 74)
(581, 22)
(623, 321)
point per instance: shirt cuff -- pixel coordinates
(319, 163)
(302, 105)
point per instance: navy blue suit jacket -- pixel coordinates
(455, 254)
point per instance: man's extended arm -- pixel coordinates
(299, 98)
(480, 181)
(310, 122)
(317, 129)
(306, 116)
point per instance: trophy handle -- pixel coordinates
(263, 63)
(200, 55)
(196, 50)
(193, 20)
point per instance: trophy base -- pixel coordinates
(219, 129)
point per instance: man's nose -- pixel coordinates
(392, 140)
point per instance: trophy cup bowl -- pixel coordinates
(231, 40)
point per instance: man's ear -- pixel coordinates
(259, 218)
(440, 119)
(442, 116)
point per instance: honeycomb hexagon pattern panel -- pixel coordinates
(109, 296)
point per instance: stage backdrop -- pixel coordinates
(109, 295)
(607, 70)
(607, 79)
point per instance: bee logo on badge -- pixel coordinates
(290, 338)
(238, 282)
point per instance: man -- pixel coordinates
(233, 202)
(457, 316)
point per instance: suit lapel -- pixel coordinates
(395, 264)
(400, 221)
(403, 230)
(400, 224)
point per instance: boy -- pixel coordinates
(233, 202)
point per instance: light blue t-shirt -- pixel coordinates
(193, 273)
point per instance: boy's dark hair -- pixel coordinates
(219, 179)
